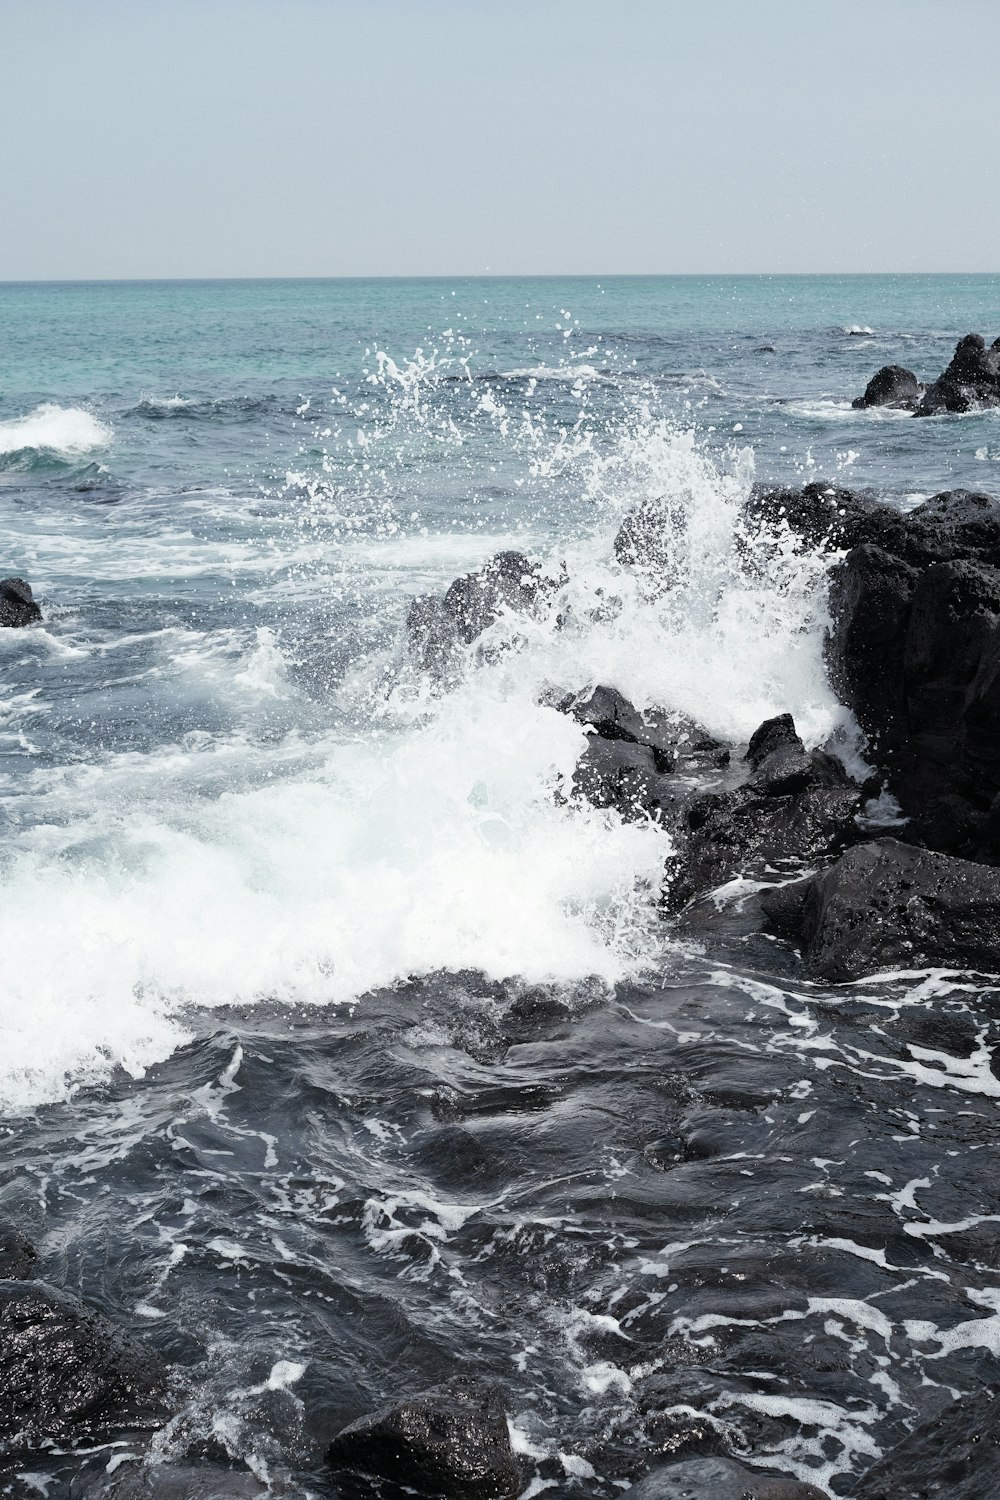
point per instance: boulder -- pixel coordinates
(886, 906)
(17, 1257)
(437, 628)
(17, 603)
(67, 1374)
(720, 1479)
(893, 385)
(954, 1455)
(452, 1441)
(970, 381)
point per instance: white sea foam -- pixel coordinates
(311, 869)
(65, 430)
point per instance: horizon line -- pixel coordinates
(481, 276)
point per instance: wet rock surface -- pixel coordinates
(887, 906)
(67, 1374)
(451, 1442)
(795, 808)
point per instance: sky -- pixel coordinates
(160, 138)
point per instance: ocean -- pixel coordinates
(341, 1047)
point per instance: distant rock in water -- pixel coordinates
(971, 380)
(719, 1479)
(17, 603)
(68, 1375)
(893, 385)
(450, 1442)
(437, 628)
(886, 906)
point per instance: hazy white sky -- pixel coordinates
(415, 137)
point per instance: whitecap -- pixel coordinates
(64, 430)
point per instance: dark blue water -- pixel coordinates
(338, 1050)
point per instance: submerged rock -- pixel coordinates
(17, 603)
(177, 1482)
(954, 1455)
(719, 1479)
(893, 385)
(888, 905)
(17, 1258)
(451, 1442)
(67, 1374)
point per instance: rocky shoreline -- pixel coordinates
(895, 870)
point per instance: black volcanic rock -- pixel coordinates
(914, 648)
(452, 1442)
(893, 385)
(887, 905)
(68, 1375)
(954, 1455)
(17, 603)
(796, 807)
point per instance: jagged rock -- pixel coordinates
(954, 1455)
(613, 717)
(17, 603)
(17, 1257)
(893, 385)
(970, 381)
(781, 764)
(451, 1442)
(887, 905)
(436, 628)
(67, 1374)
(719, 1479)
(677, 742)
(796, 807)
